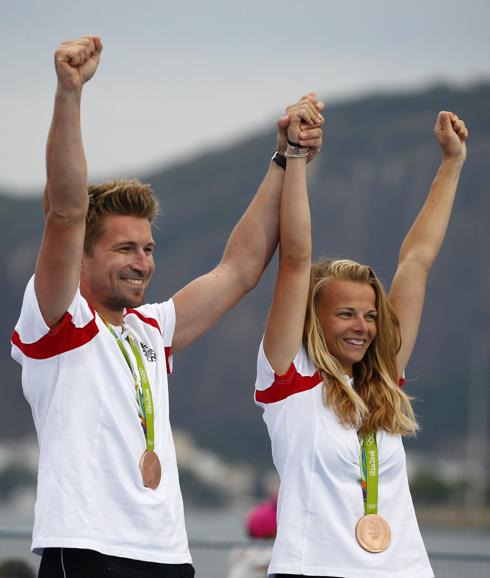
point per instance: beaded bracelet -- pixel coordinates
(296, 152)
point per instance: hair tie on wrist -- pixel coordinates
(295, 144)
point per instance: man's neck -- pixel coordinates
(112, 317)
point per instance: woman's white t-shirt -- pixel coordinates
(320, 498)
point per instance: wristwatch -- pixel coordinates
(279, 159)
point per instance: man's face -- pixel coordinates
(116, 275)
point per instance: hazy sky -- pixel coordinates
(182, 76)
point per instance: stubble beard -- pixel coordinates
(118, 301)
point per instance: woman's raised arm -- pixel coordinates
(287, 314)
(423, 242)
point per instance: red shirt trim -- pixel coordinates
(66, 336)
(60, 339)
(168, 353)
(286, 385)
(153, 322)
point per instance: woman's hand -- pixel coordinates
(308, 134)
(305, 113)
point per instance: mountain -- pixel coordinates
(366, 187)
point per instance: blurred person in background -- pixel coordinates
(329, 375)
(261, 520)
(95, 358)
(15, 569)
(253, 561)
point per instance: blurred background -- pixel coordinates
(186, 98)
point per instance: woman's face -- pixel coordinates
(347, 314)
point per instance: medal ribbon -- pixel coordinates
(369, 473)
(143, 394)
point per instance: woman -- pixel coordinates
(329, 374)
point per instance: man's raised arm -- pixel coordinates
(66, 198)
(249, 248)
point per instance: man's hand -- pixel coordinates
(308, 132)
(76, 61)
(451, 132)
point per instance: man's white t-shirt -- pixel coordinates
(320, 496)
(90, 491)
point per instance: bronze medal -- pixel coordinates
(373, 533)
(151, 470)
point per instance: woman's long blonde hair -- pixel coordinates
(376, 401)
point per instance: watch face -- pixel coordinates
(279, 159)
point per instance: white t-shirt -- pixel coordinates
(320, 497)
(90, 491)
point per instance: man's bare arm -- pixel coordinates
(66, 200)
(248, 250)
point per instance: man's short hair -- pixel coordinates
(121, 197)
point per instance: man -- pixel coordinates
(95, 360)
